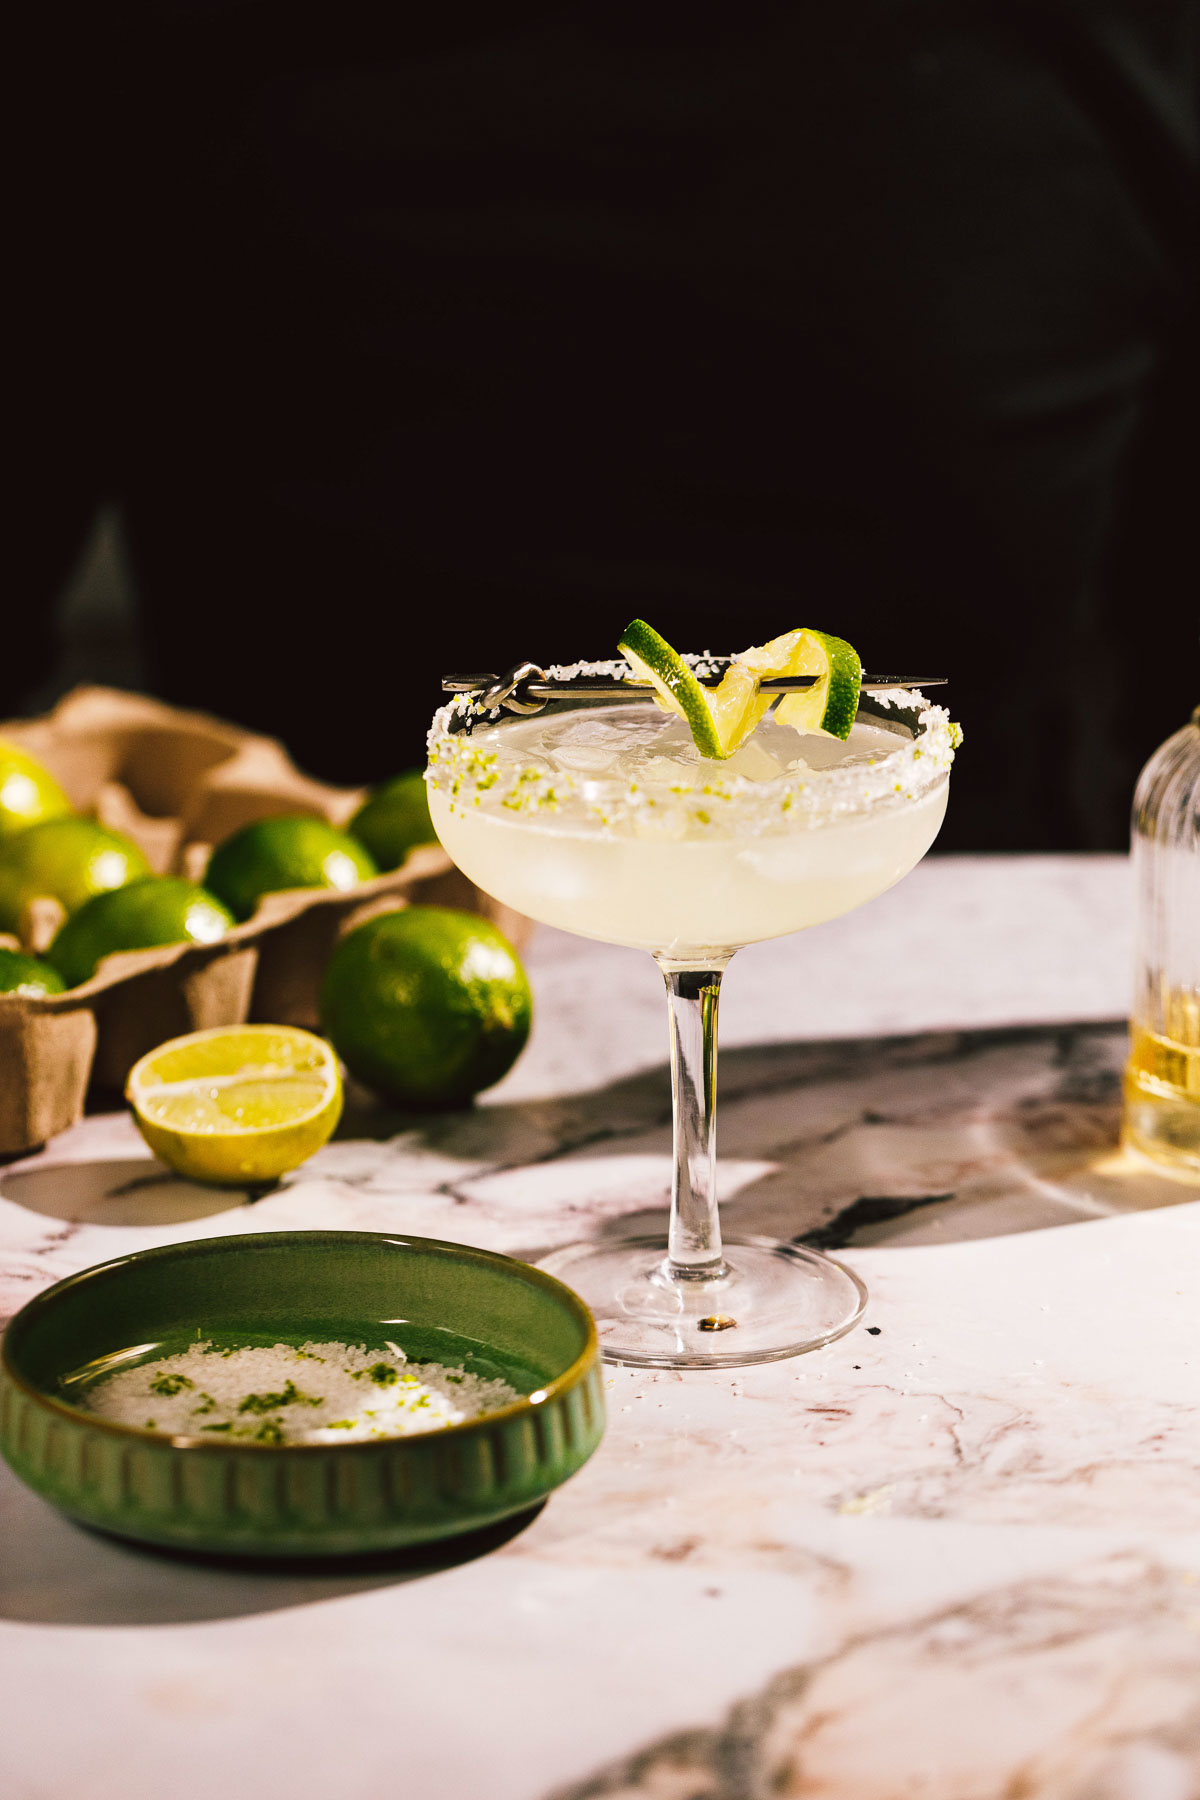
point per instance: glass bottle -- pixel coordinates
(1162, 1077)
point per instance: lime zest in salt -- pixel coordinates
(313, 1393)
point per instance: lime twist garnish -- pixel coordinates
(721, 718)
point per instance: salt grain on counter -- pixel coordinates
(317, 1394)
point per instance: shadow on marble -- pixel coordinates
(55, 1572)
(937, 1138)
(994, 1134)
(125, 1191)
(365, 1116)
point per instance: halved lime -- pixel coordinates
(237, 1105)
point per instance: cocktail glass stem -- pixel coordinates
(694, 1237)
(766, 1300)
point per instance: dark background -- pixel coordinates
(355, 346)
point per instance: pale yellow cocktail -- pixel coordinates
(608, 823)
(605, 820)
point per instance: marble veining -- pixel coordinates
(954, 1556)
(1037, 1689)
(929, 1139)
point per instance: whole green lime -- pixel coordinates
(69, 859)
(427, 1006)
(274, 854)
(28, 792)
(27, 975)
(395, 819)
(159, 909)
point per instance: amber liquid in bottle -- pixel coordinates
(1162, 1077)
(1162, 1090)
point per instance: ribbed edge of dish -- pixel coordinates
(301, 1499)
(330, 1499)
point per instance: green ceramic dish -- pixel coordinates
(439, 1301)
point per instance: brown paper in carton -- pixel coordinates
(177, 782)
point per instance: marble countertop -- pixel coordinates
(953, 1556)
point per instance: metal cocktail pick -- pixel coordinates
(526, 688)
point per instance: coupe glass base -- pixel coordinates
(774, 1300)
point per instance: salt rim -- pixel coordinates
(475, 772)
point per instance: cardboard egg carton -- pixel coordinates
(177, 783)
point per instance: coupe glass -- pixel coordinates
(602, 819)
